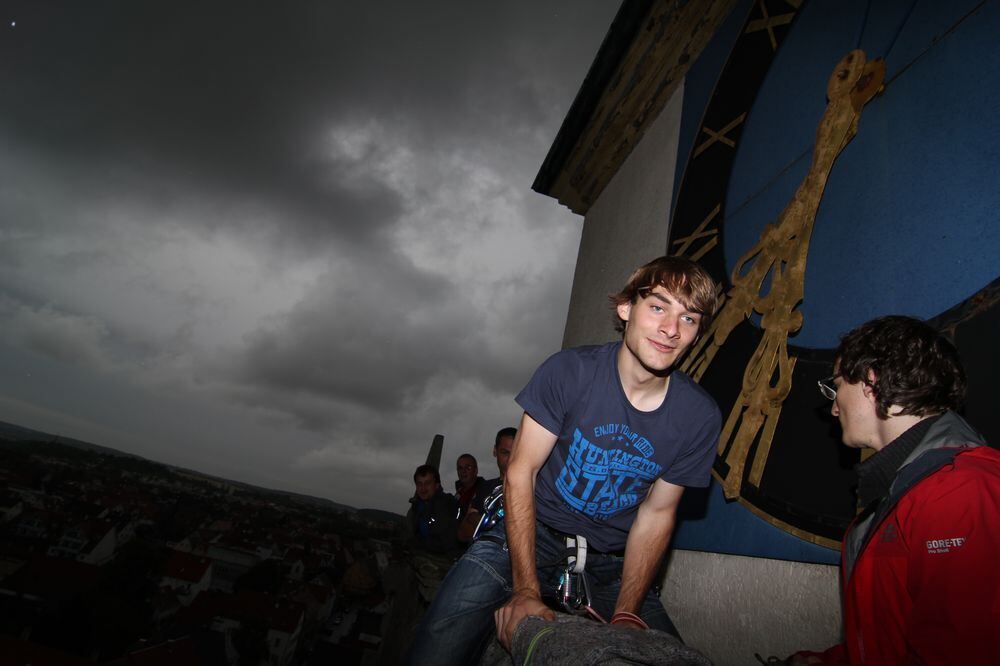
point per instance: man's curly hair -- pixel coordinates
(915, 367)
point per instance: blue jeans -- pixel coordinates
(459, 623)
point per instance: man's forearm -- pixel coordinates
(647, 542)
(519, 503)
(531, 448)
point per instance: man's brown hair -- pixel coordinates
(915, 367)
(425, 470)
(683, 278)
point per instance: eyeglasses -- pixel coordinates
(828, 388)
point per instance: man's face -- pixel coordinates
(426, 486)
(660, 329)
(467, 471)
(502, 452)
(855, 408)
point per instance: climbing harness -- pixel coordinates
(492, 513)
(573, 591)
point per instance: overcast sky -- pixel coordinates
(284, 243)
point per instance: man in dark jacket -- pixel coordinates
(432, 514)
(471, 490)
(431, 523)
(919, 575)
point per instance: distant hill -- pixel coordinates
(307, 499)
(379, 515)
(16, 433)
(10, 432)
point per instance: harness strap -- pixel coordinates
(492, 539)
(577, 559)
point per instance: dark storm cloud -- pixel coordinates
(61, 336)
(365, 334)
(377, 333)
(306, 227)
(235, 97)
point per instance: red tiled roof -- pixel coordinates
(320, 592)
(95, 529)
(53, 578)
(246, 606)
(293, 554)
(280, 614)
(186, 567)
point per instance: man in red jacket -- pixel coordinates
(919, 571)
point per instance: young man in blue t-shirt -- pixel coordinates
(609, 438)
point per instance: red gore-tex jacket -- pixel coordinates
(921, 574)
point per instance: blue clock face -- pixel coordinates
(908, 221)
(907, 224)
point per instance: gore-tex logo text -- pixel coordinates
(944, 545)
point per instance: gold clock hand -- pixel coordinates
(781, 252)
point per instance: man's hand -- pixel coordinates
(468, 525)
(520, 606)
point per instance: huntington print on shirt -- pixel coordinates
(608, 453)
(602, 480)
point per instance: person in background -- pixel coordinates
(471, 491)
(503, 445)
(432, 524)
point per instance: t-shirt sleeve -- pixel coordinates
(547, 398)
(693, 466)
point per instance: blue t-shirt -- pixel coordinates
(608, 453)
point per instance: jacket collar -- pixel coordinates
(947, 437)
(875, 475)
